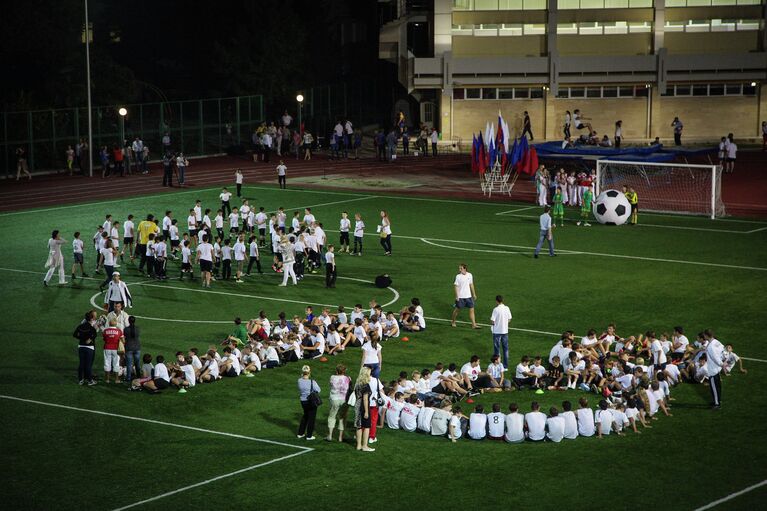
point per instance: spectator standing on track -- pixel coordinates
(546, 232)
(391, 146)
(182, 163)
(21, 163)
(308, 141)
(138, 153)
(278, 141)
(764, 136)
(166, 143)
(266, 142)
(380, 144)
(423, 141)
(167, 169)
(678, 127)
(297, 143)
(465, 294)
(732, 154)
(405, 142)
(282, 171)
(70, 153)
(118, 157)
(434, 141)
(286, 119)
(499, 321)
(618, 134)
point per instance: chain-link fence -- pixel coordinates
(196, 127)
(324, 105)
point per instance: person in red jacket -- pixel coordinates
(112, 336)
(117, 155)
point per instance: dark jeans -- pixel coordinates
(226, 209)
(226, 273)
(239, 190)
(433, 149)
(357, 241)
(281, 181)
(677, 139)
(141, 251)
(375, 369)
(109, 270)
(298, 266)
(258, 264)
(85, 369)
(501, 347)
(330, 275)
(131, 358)
(529, 131)
(167, 175)
(386, 243)
(307, 420)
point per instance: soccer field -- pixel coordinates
(233, 444)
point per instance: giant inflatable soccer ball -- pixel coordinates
(612, 208)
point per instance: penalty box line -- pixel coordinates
(301, 450)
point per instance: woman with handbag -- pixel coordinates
(309, 392)
(362, 417)
(340, 385)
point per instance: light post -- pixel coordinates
(123, 112)
(300, 99)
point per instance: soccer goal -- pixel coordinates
(666, 187)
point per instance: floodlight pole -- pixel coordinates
(88, 80)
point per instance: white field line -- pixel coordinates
(598, 254)
(678, 227)
(754, 359)
(425, 240)
(732, 496)
(160, 423)
(208, 481)
(302, 450)
(756, 230)
(516, 210)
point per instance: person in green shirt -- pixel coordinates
(633, 199)
(559, 210)
(588, 198)
(240, 333)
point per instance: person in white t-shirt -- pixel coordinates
(496, 423)
(205, 260)
(77, 252)
(604, 420)
(732, 154)
(571, 422)
(343, 229)
(209, 372)
(499, 321)
(535, 423)
(585, 418)
(454, 426)
(478, 423)
(555, 426)
(371, 356)
(465, 294)
(658, 354)
(409, 414)
(230, 364)
(239, 251)
(515, 425)
(393, 410)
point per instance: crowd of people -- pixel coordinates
(231, 239)
(630, 392)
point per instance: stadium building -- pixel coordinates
(640, 61)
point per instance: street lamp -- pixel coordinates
(123, 112)
(300, 99)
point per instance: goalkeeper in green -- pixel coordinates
(588, 198)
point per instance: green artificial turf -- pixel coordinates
(637, 277)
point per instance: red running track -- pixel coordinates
(744, 191)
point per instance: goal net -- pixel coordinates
(666, 187)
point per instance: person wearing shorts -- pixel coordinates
(465, 294)
(112, 336)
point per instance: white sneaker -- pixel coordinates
(282, 285)
(372, 440)
(310, 438)
(367, 449)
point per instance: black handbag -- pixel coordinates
(314, 398)
(381, 400)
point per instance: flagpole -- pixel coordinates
(88, 80)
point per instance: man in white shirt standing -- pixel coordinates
(499, 322)
(714, 361)
(547, 233)
(281, 175)
(465, 294)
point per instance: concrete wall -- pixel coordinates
(469, 46)
(712, 42)
(706, 119)
(611, 44)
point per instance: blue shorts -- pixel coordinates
(464, 303)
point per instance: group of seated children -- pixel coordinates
(259, 343)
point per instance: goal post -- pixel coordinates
(680, 188)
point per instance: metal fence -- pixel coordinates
(324, 105)
(196, 127)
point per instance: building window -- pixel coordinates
(603, 27)
(706, 3)
(500, 5)
(457, 93)
(473, 93)
(604, 4)
(521, 93)
(503, 29)
(712, 25)
(489, 93)
(710, 89)
(505, 93)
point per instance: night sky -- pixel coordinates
(149, 50)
